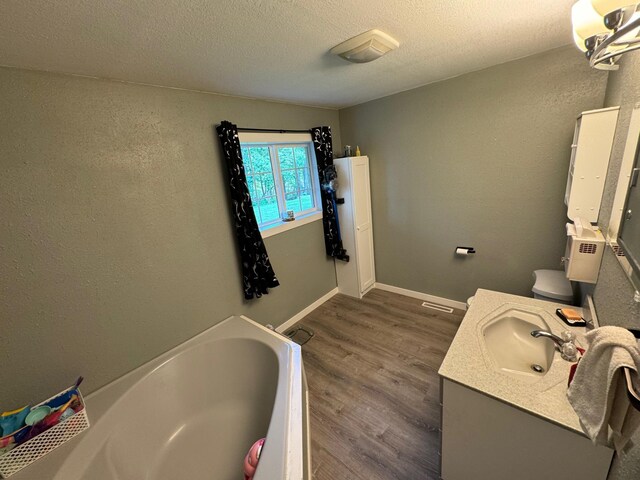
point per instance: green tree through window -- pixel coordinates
(280, 178)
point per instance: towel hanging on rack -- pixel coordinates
(599, 393)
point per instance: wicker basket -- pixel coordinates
(28, 452)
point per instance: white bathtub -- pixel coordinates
(193, 413)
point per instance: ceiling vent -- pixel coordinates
(366, 47)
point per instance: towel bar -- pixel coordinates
(634, 397)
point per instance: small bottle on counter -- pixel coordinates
(357, 151)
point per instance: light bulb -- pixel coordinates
(586, 21)
(604, 7)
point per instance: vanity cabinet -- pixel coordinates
(357, 276)
(590, 152)
(486, 439)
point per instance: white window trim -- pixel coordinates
(266, 137)
(303, 218)
(275, 229)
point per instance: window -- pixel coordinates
(282, 177)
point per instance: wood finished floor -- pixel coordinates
(374, 388)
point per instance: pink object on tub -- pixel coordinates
(252, 458)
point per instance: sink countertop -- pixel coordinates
(468, 361)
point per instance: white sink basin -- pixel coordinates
(508, 340)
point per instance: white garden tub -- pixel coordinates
(193, 413)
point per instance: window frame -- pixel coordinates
(275, 141)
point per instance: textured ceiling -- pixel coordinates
(276, 49)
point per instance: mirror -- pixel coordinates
(623, 233)
(629, 237)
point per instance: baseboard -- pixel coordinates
(389, 288)
(422, 296)
(306, 311)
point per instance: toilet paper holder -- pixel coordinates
(465, 250)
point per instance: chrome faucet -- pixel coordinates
(554, 338)
(566, 348)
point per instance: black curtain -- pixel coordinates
(321, 137)
(257, 274)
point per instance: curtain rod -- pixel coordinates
(271, 130)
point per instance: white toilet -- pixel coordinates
(552, 286)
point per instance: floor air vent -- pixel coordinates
(435, 306)
(300, 334)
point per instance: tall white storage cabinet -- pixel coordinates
(356, 277)
(590, 152)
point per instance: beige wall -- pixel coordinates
(479, 160)
(613, 295)
(116, 241)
